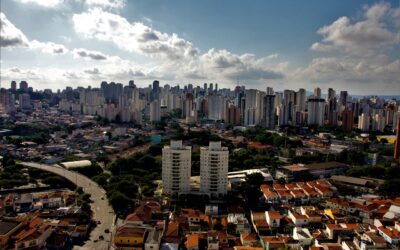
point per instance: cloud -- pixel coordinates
(94, 71)
(89, 54)
(43, 3)
(48, 47)
(11, 36)
(352, 73)
(369, 35)
(272, 56)
(132, 37)
(238, 67)
(115, 4)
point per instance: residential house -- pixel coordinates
(390, 234)
(34, 238)
(130, 237)
(303, 235)
(298, 219)
(273, 218)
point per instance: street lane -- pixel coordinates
(102, 211)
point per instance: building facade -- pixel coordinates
(176, 168)
(214, 161)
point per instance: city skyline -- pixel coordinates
(347, 46)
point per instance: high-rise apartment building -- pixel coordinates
(214, 161)
(301, 98)
(363, 122)
(232, 115)
(155, 114)
(347, 119)
(176, 168)
(316, 110)
(23, 86)
(269, 112)
(7, 102)
(25, 102)
(13, 85)
(216, 107)
(317, 93)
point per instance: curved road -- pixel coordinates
(102, 211)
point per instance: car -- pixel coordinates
(107, 231)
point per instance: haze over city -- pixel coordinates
(351, 46)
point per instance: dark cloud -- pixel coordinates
(94, 55)
(11, 36)
(94, 71)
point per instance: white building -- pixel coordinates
(155, 114)
(378, 123)
(363, 122)
(176, 168)
(214, 161)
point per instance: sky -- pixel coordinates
(345, 45)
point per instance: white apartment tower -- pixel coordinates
(363, 122)
(176, 168)
(214, 161)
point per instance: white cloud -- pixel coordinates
(116, 4)
(238, 67)
(89, 54)
(43, 3)
(368, 36)
(49, 47)
(11, 36)
(132, 37)
(363, 75)
(272, 56)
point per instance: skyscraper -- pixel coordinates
(216, 107)
(25, 102)
(214, 161)
(316, 110)
(363, 122)
(317, 92)
(13, 85)
(343, 98)
(176, 168)
(232, 115)
(23, 85)
(269, 111)
(347, 119)
(301, 99)
(155, 114)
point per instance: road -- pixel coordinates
(102, 211)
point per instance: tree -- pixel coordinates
(79, 190)
(55, 182)
(255, 179)
(119, 201)
(390, 188)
